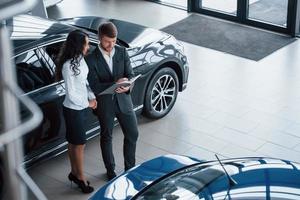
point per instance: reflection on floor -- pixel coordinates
(232, 106)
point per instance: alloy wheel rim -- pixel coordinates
(163, 93)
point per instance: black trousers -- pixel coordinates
(128, 123)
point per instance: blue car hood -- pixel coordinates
(131, 182)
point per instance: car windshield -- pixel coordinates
(189, 183)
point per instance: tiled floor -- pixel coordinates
(232, 106)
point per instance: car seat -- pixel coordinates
(27, 79)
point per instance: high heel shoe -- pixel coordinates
(73, 178)
(85, 188)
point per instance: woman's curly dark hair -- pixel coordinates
(71, 50)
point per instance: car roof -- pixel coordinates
(28, 31)
(131, 34)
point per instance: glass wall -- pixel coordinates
(268, 11)
(275, 15)
(225, 6)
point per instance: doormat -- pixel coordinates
(228, 37)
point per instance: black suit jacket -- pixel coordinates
(100, 78)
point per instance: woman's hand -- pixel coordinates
(93, 103)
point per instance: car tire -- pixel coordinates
(161, 93)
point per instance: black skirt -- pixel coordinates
(75, 125)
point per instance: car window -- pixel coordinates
(47, 62)
(53, 50)
(32, 70)
(122, 43)
(93, 44)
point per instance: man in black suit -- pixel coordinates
(109, 64)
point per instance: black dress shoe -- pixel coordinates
(110, 175)
(85, 188)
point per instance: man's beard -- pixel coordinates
(106, 49)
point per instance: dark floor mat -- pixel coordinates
(236, 39)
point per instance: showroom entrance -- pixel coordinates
(275, 15)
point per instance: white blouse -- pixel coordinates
(78, 91)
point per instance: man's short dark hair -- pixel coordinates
(108, 29)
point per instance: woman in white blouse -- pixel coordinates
(72, 67)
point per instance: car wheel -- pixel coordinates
(161, 93)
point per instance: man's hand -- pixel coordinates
(122, 89)
(93, 103)
(122, 79)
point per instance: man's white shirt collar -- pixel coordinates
(108, 58)
(112, 53)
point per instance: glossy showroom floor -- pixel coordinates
(233, 106)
